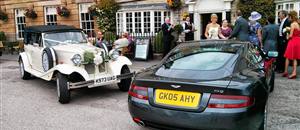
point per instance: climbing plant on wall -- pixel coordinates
(264, 7)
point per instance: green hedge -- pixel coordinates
(264, 7)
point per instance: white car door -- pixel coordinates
(36, 52)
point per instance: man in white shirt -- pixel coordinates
(282, 40)
(189, 29)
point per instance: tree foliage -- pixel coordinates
(106, 15)
(264, 7)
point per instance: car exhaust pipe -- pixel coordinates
(139, 122)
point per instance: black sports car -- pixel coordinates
(205, 85)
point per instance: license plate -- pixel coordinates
(105, 79)
(177, 98)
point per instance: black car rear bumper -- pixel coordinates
(234, 119)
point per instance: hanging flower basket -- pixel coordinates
(174, 4)
(30, 13)
(3, 16)
(63, 11)
(92, 10)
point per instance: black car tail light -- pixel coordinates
(229, 101)
(138, 92)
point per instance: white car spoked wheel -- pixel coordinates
(24, 74)
(125, 83)
(63, 91)
(48, 57)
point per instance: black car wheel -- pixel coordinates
(24, 74)
(125, 83)
(63, 91)
(272, 81)
(263, 125)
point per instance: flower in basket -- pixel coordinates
(3, 16)
(88, 57)
(30, 13)
(174, 4)
(286, 30)
(63, 11)
(93, 10)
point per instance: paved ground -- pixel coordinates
(32, 104)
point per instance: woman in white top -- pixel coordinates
(213, 30)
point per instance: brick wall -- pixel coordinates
(9, 6)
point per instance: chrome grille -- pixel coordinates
(101, 68)
(90, 68)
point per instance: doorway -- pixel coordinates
(205, 19)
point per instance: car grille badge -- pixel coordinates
(175, 86)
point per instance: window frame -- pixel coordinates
(19, 13)
(91, 20)
(123, 19)
(54, 22)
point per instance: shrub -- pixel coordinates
(158, 43)
(2, 36)
(110, 37)
(264, 7)
(106, 15)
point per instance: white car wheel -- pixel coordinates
(45, 62)
(48, 59)
(24, 74)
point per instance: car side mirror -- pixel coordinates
(273, 54)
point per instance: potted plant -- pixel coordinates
(3, 16)
(92, 10)
(30, 13)
(178, 28)
(63, 11)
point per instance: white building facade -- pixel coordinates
(202, 9)
(287, 5)
(141, 18)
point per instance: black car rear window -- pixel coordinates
(197, 57)
(199, 61)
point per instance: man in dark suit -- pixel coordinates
(167, 29)
(241, 28)
(270, 35)
(282, 40)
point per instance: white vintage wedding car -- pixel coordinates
(62, 53)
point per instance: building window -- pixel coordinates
(138, 22)
(86, 20)
(119, 22)
(129, 22)
(289, 6)
(167, 14)
(50, 16)
(141, 21)
(147, 22)
(157, 21)
(20, 23)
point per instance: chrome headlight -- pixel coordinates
(76, 59)
(114, 54)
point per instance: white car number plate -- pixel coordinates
(105, 79)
